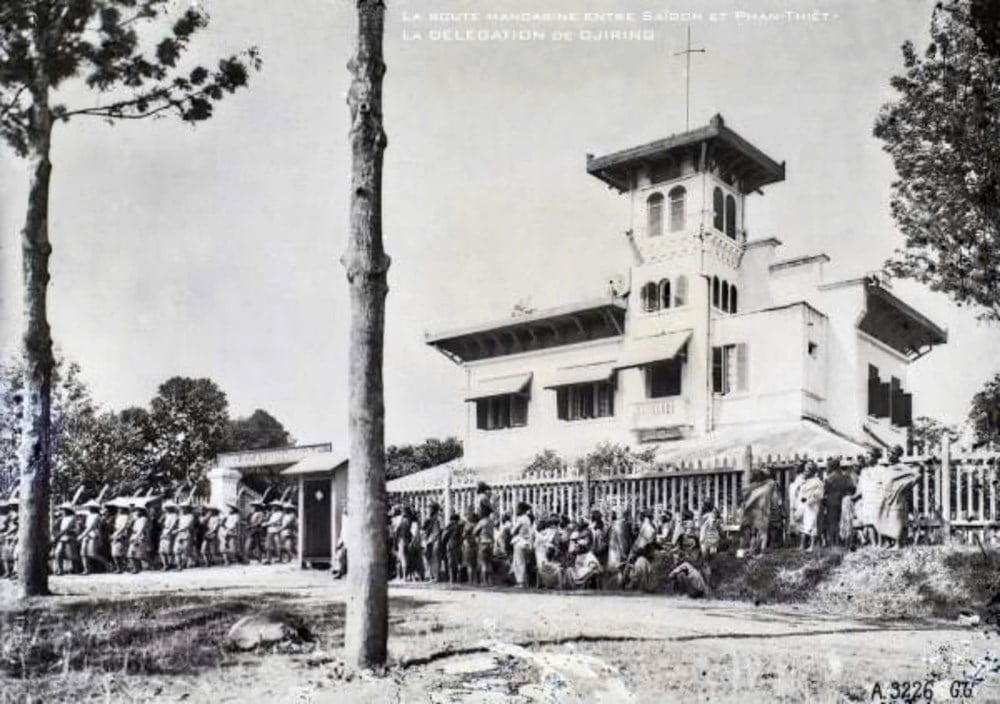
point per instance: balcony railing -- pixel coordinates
(661, 412)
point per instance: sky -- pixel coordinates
(213, 251)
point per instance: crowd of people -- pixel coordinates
(143, 532)
(865, 504)
(611, 549)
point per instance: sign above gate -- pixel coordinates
(267, 458)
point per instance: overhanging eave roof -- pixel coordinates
(757, 169)
(897, 324)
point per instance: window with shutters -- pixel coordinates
(730, 369)
(680, 291)
(732, 299)
(499, 412)
(663, 379)
(677, 195)
(654, 215)
(724, 298)
(731, 217)
(584, 401)
(715, 291)
(718, 210)
(664, 293)
(650, 297)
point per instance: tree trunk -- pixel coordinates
(367, 625)
(34, 453)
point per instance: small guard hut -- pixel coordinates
(322, 479)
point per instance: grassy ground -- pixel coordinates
(160, 638)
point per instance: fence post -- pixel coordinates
(747, 466)
(447, 496)
(946, 487)
(584, 509)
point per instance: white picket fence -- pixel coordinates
(957, 491)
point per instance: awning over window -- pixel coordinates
(646, 350)
(500, 386)
(583, 374)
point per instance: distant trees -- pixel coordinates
(173, 442)
(401, 460)
(985, 413)
(943, 134)
(109, 47)
(928, 433)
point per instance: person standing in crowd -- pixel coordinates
(619, 544)
(894, 510)
(253, 545)
(168, 529)
(470, 546)
(431, 530)
(120, 530)
(272, 532)
(868, 494)
(230, 535)
(210, 538)
(600, 538)
(452, 539)
(183, 536)
(810, 498)
(289, 533)
(505, 534)
(484, 497)
(836, 486)
(640, 556)
(794, 504)
(92, 536)
(584, 568)
(66, 548)
(521, 544)
(759, 501)
(709, 531)
(484, 544)
(548, 562)
(340, 560)
(140, 544)
(400, 527)
(415, 546)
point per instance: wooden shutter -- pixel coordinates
(874, 386)
(562, 403)
(518, 411)
(481, 410)
(718, 216)
(717, 370)
(882, 411)
(742, 368)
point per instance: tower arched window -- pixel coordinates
(650, 297)
(664, 291)
(731, 217)
(725, 297)
(677, 195)
(718, 210)
(680, 290)
(654, 215)
(732, 299)
(715, 291)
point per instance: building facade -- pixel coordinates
(709, 335)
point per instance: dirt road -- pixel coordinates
(642, 647)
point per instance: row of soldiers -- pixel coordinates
(609, 549)
(143, 532)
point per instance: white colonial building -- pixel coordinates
(710, 343)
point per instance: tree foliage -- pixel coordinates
(609, 459)
(943, 134)
(401, 460)
(258, 431)
(104, 45)
(191, 419)
(985, 413)
(72, 411)
(928, 433)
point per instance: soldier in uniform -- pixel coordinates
(272, 532)
(253, 546)
(92, 536)
(184, 537)
(210, 539)
(140, 544)
(168, 529)
(289, 532)
(230, 535)
(120, 529)
(65, 546)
